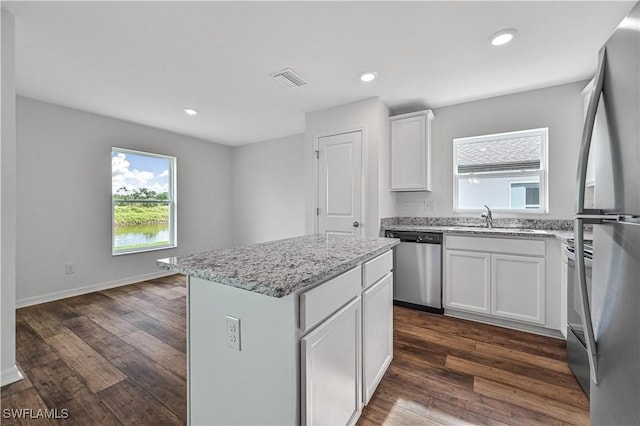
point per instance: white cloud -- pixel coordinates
(164, 174)
(159, 188)
(121, 176)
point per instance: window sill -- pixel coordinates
(143, 250)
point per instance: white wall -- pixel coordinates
(8, 370)
(387, 199)
(64, 199)
(371, 115)
(559, 108)
(268, 190)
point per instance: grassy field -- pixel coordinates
(137, 214)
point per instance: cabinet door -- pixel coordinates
(467, 282)
(377, 333)
(518, 284)
(330, 361)
(409, 154)
(564, 271)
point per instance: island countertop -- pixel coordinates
(279, 268)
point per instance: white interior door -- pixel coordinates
(340, 184)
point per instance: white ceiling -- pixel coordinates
(145, 61)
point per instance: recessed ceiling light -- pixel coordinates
(503, 36)
(190, 111)
(368, 76)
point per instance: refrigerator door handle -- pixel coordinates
(587, 324)
(587, 216)
(587, 132)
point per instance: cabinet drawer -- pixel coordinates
(377, 268)
(322, 301)
(499, 244)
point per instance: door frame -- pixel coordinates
(363, 174)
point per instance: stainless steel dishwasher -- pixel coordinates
(417, 269)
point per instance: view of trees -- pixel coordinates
(139, 194)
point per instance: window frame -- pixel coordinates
(172, 202)
(542, 173)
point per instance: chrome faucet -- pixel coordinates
(488, 216)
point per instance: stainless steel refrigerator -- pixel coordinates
(611, 319)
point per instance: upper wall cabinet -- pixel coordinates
(411, 151)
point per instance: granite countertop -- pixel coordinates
(279, 268)
(562, 235)
(505, 232)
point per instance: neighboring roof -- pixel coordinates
(499, 155)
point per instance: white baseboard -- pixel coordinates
(543, 331)
(10, 375)
(50, 297)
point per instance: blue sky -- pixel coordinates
(139, 171)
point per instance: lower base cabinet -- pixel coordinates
(503, 278)
(468, 281)
(377, 333)
(331, 384)
(518, 284)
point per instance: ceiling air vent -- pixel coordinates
(289, 78)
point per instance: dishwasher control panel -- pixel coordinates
(416, 237)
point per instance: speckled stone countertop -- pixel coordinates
(468, 230)
(531, 228)
(279, 268)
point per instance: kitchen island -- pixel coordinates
(295, 331)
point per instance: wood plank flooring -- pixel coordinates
(118, 357)
(448, 371)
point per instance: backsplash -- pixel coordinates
(559, 225)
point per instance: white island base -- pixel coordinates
(312, 357)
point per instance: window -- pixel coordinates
(524, 195)
(506, 171)
(143, 201)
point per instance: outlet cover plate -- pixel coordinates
(232, 332)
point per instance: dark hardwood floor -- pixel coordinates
(448, 371)
(118, 357)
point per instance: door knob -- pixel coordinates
(356, 224)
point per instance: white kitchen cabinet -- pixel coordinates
(501, 278)
(377, 333)
(468, 281)
(411, 151)
(518, 287)
(330, 376)
(564, 271)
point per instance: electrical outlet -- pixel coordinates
(233, 332)
(429, 205)
(70, 268)
(405, 207)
